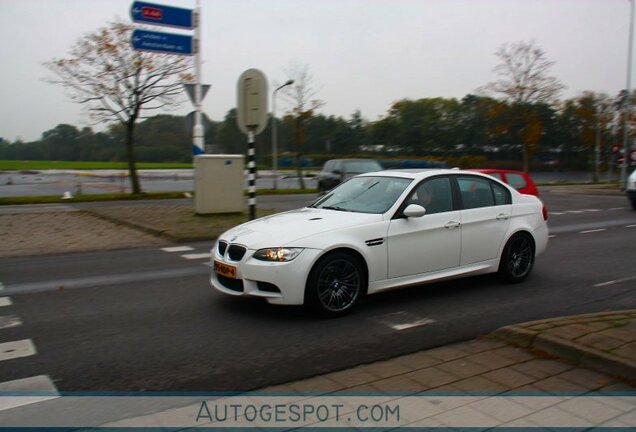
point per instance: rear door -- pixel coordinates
(485, 218)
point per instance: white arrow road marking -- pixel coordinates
(403, 320)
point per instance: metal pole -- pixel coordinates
(597, 149)
(626, 105)
(274, 136)
(251, 178)
(197, 131)
(274, 141)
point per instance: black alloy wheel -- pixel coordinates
(335, 284)
(517, 258)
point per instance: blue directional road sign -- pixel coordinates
(149, 13)
(169, 43)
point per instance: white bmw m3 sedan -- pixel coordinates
(380, 231)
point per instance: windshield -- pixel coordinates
(364, 195)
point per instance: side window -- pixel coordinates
(476, 192)
(434, 195)
(502, 195)
(516, 180)
(328, 167)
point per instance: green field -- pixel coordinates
(8, 165)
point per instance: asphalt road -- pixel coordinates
(146, 319)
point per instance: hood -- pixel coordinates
(284, 229)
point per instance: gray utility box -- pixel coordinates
(218, 184)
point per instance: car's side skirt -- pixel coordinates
(473, 269)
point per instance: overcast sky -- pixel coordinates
(363, 54)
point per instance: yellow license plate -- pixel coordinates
(225, 270)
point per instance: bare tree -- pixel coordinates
(117, 83)
(301, 96)
(524, 81)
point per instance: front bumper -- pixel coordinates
(277, 282)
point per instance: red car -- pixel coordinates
(519, 180)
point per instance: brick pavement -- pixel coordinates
(28, 234)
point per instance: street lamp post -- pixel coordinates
(274, 137)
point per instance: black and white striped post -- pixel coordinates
(251, 176)
(252, 119)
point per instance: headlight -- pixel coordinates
(277, 254)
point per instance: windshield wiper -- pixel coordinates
(335, 207)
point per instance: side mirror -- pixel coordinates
(414, 211)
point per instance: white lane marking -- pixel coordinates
(177, 249)
(551, 236)
(403, 320)
(5, 301)
(1, 286)
(616, 208)
(16, 349)
(8, 321)
(615, 281)
(630, 226)
(592, 231)
(41, 384)
(196, 256)
(556, 213)
(576, 211)
(592, 210)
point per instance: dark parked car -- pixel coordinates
(335, 171)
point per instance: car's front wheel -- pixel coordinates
(517, 258)
(335, 284)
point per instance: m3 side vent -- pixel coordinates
(375, 242)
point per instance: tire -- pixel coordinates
(335, 284)
(517, 258)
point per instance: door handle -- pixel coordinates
(502, 216)
(452, 225)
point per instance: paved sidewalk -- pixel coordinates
(480, 383)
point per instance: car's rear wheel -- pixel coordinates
(335, 284)
(517, 258)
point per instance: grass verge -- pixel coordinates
(56, 199)
(13, 165)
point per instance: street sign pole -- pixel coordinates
(251, 119)
(198, 137)
(251, 178)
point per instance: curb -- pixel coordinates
(151, 231)
(578, 354)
